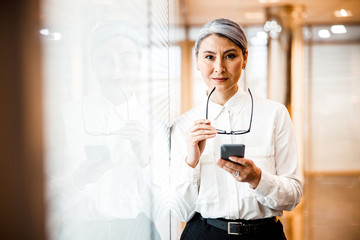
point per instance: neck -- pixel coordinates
(221, 96)
(116, 95)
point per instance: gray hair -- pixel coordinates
(112, 29)
(223, 28)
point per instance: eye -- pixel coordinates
(104, 61)
(230, 56)
(210, 57)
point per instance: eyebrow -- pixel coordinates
(227, 51)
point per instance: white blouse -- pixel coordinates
(213, 192)
(98, 174)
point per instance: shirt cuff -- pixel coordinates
(265, 185)
(191, 174)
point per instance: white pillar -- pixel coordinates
(286, 63)
(286, 83)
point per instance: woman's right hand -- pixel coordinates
(196, 138)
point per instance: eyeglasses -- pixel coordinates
(238, 132)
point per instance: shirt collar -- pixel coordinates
(97, 104)
(235, 103)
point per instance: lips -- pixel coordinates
(220, 79)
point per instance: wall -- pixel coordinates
(333, 115)
(21, 142)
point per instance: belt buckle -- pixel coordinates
(235, 223)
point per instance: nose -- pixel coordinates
(119, 66)
(219, 66)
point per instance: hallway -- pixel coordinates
(330, 209)
(65, 163)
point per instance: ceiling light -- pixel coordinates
(338, 29)
(56, 36)
(324, 33)
(343, 13)
(44, 32)
(51, 35)
(273, 28)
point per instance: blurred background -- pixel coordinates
(63, 63)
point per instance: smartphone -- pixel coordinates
(228, 150)
(97, 153)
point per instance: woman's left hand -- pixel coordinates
(248, 171)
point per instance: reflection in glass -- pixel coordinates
(105, 177)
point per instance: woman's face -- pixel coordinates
(220, 62)
(116, 62)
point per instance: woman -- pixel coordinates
(103, 184)
(240, 198)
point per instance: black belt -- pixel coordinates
(240, 227)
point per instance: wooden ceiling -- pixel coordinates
(252, 12)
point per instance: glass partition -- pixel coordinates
(333, 116)
(332, 132)
(107, 116)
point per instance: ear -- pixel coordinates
(245, 56)
(197, 62)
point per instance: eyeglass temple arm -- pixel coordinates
(207, 103)
(252, 108)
